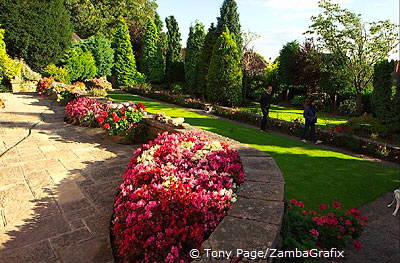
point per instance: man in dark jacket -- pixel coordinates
(310, 116)
(265, 103)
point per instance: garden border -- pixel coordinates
(352, 143)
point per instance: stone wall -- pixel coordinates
(255, 221)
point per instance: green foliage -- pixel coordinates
(38, 31)
(229, 17)
(225, 73)
(8, 68)
(194, 46)
(174, 50)
(26, 72)
(367, 124)
(58, 73)
(288, 71)
(382, 95)
(348, 107)
(298, 100)
(205, 58)
(98, 92)
(91, 17)
(80, 65)
(125, 63)
(100, 47)
(152, 61)
(272, 75)
(176, 73)
(360, 45)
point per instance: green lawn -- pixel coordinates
(289, 114)
(312, 174)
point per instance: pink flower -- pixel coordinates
(357, 245)
(336, 204)
(322, 207)
(314, 232)
(348, 222)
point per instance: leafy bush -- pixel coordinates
(98, 92)
(325, 228)
(177, 88)
(348, 107)
(100, 83)
(26, 72)
(298, 100)
(175, 192)
(84, 111)
(38, 31)
(225, 74)
(367, 124)
(100, 47)
(81, 65)
(57, 73)
(8, 68)
(123, 119)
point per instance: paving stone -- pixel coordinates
(268, 191)
(68, 192)
(40, 183)
(10, 176)
(33, 253)
(102, 195)
(76, 224)
(99, 224)
(71, 238)
(264, 211)
(247, 151)
(257, 175)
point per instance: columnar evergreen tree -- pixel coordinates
(101, 49)
(229, 17)
(382, 96)
(225, 73)
(152, 61)
(194, 46)
(205, 58)
(124, 60)
(174, 63)
(36, 30)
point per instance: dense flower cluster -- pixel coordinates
(84, 110)
(327, 227)
(123, 119)
(63, 93)
(175, 192)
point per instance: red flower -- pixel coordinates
(300, 204)
(348, 222)
(100, 120)
(106, 126)
(141, 106)
(104, 114)
(314, 232)
(352, 229)
(322, 207)
(336, 204)
(304, 212)
(116, 118)
(124, 117)
(293, 201)
(357, 245)
(114, 114)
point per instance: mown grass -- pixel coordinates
(312, 174)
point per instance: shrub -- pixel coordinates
(26, 72)
(175, 192)
(124, 120)
(100, 47)
(367, 124)
(348, 107)
(152, 60)
(298, 100)
(194, 46)
(38, 31)
(328, 227)
(124, 60)
(98, 92)
(100, 83)
(8, 68)
(225, 74)
(57, 73)
(80, 65)
(84, 111)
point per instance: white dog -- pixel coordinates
(396, 198)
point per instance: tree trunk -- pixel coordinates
(335, 103)
(359, 103)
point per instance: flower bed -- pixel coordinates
(329, 137)
(175, 192)
(84, 111)
(327, 227)
(63, 93)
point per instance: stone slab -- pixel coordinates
(263, 211)
(267, 191)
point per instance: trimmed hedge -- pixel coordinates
(330, 137)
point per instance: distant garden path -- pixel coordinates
(56, 186)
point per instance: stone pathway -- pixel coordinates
(56, 186)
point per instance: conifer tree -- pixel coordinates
(124, 59)
(224, 77)
(152, 62)
(229, 17)
(192, 60)
(174, 63)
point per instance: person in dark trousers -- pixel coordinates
(310, 115)
(265, 103)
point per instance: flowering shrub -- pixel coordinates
(327, 227)
(175, 192)
(64, 93)
(123, 119)
(84, 110)
(45, 87)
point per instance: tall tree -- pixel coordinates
(8, 68)
(152, 61)
(194, 46)
(288, 70)
(174, 63)
(229, 17)
(360, 44)
(205, 58)
(124, 60)
(225, 73)
(309, 66)
(36, 30)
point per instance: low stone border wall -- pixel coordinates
(255, 221)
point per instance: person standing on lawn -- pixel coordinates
(265, 103)
(310, 115)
